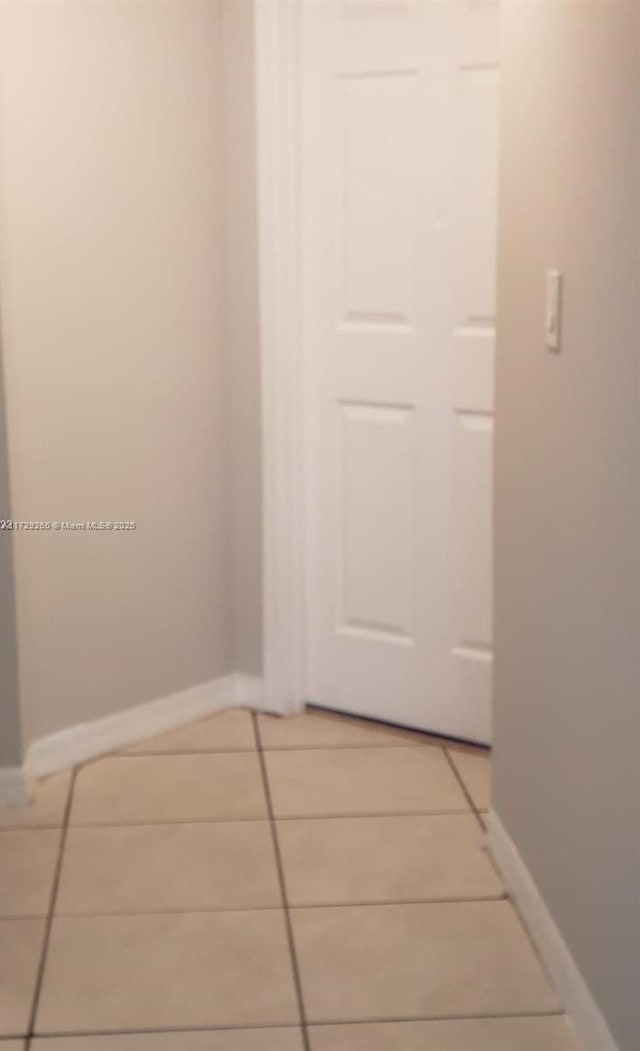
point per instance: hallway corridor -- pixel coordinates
(257, 884)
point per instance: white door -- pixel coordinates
(400, 109)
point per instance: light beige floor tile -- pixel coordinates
(169, 788)
(220, 1040)
(474, 767)
(177, 970)
(373, 962)
(230, 731)
(155, 868)
(20, 948)
(362, 781)
(375, 859)
(46, 807)
(330, 730)
(475, 1034)
(27, 865)
(12, 1045)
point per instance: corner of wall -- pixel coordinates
(11, 731)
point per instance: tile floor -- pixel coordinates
(258, 884)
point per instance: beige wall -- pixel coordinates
(113, 324)
(241, 259)
(567, 730)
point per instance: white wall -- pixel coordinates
(241, 261)
(567, 719)
(112, 285)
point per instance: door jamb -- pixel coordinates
(277, 67)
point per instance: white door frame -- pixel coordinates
(278, 85)
(278, 41)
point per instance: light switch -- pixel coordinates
(553, 310)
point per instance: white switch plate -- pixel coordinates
(553, 310)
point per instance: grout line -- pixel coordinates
(294, 1026)
(467, 794)
(79, 1033)
(283, 888)
(31, 828)
(132, 756)
(133, 751)
(139, 754)
(355, 748)
(19, 829)
(383, 1020)
(148, 822)
(199, 910)
(49, 919)
(380, 815)
(338, 814)
(481, 821)
(399, 902)
(264, 818)
(308, 746)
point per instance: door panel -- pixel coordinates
(378, 220)
(400, 103)
(376, 499)
(471, 530)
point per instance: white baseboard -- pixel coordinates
(588, 1021)
(85, 741)
(249, 691)
(14, 787)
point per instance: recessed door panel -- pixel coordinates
(379, 195)
(472, 531)
(476, 197)
(377, 520)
